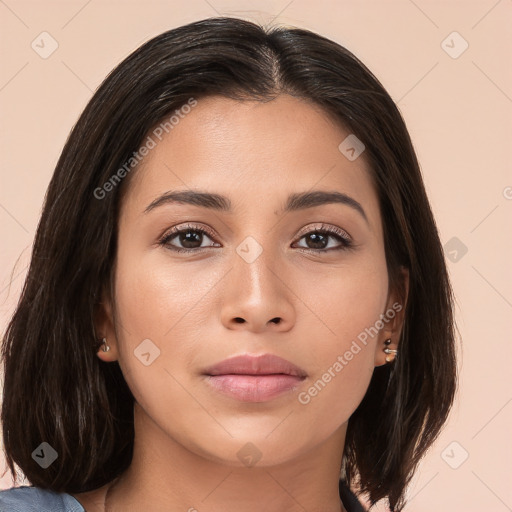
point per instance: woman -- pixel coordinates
(237, 298)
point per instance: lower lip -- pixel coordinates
(254, 388)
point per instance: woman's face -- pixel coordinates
(179, 313)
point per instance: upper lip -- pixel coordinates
(266, 364)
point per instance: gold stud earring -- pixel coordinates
(105, 347)
(389, 351)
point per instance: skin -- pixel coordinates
(187, 435)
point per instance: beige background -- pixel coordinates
(458, 111)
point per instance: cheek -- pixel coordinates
(150, 312)
(343, 357)
(159, 311)
(345, 303)
(155, 298)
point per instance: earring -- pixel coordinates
(105, 347)
(388, 351)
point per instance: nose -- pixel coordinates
(257, 295)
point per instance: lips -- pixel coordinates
(254, 378)
(266, 364)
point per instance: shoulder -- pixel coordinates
(33, 499)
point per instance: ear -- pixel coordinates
(104, 327)
(393, 320)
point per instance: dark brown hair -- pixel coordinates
(56, 390)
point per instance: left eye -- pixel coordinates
(319, 238)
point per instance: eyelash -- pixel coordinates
(346, 243)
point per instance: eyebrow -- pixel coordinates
(295, 202)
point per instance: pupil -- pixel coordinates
(318, 239)
(188, 238)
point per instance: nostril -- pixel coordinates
(239, 320)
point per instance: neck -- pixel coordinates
(165, 475)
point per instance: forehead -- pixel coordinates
(255, 153)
